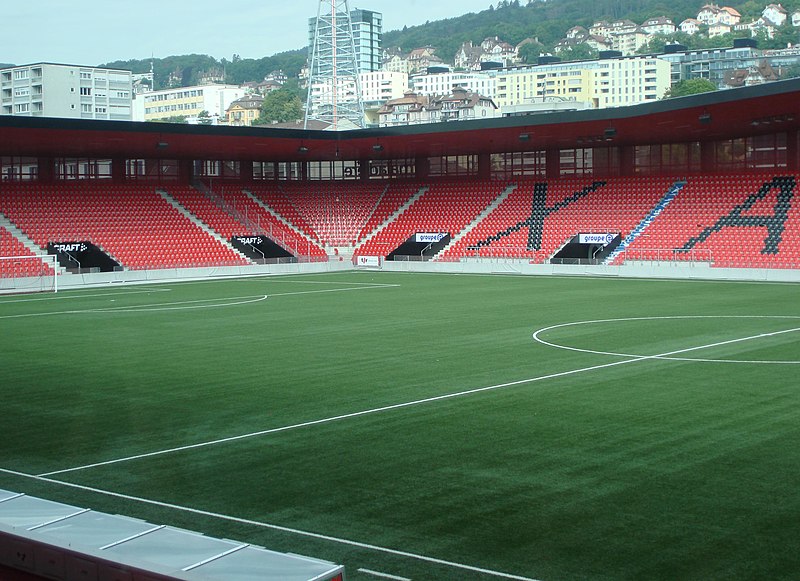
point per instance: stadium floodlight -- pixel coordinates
(334, 90)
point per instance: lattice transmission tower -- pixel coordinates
(334, 91)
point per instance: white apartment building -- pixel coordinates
(443, 83)
(69, 91)
(380, 86)
(186, 102)
(614, 82)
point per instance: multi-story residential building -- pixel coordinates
(470, 57)
(396, 62)
(462, 105)
(711, 14)
(578, 35)
(380, 86)
(443, 83)
(603, 83)
(690, 26)
(628, 43)
(422, 58)
(459, 105)
(725, 67)
(718, 29)
(188, 102)
(658, 25)
(410, 109)
(245, 111)
(367, 36)
(71, 91)
(625, 35)
(775, 14)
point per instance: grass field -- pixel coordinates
(425, 426)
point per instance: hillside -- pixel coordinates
(547, 20)
(186, 68)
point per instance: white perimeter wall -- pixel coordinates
(474, 266)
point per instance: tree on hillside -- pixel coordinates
(529, 52)
(579, 52)
(282, 106)
(690, 87)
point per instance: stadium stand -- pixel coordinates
(274, 196)
(539, 217)
(133, 224)
(444, 207)
(394, 197)
(207, 211)
(739, 221)
(728, 220)
(270, 223)
(336, 211)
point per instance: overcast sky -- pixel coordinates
(91, 32)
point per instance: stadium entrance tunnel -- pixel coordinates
(587, 249)
(82, 257)
(259, 249)
(421, 246)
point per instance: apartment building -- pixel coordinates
(380, 86)
(603, 83)
(725, 66)
(68, 91)
(459, 104)
(443, 83)
(188, 102)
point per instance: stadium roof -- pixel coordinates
(760, 109)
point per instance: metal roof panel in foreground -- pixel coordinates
(166, 551)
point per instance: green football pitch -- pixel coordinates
(416, 426)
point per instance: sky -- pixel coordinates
(93, 32)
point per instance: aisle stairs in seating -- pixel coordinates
(200, 224)
(478, 219)
(646, 221)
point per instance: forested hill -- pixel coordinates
(187, 68)
(548, 20)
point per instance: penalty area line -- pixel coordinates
(265, 525)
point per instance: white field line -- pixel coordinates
(265, 525)
(413, 403)
(286, 279)
(538, 338)
(190, 305)
(333, 290)
(179, 305)
(383, 575)
(61, 297)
